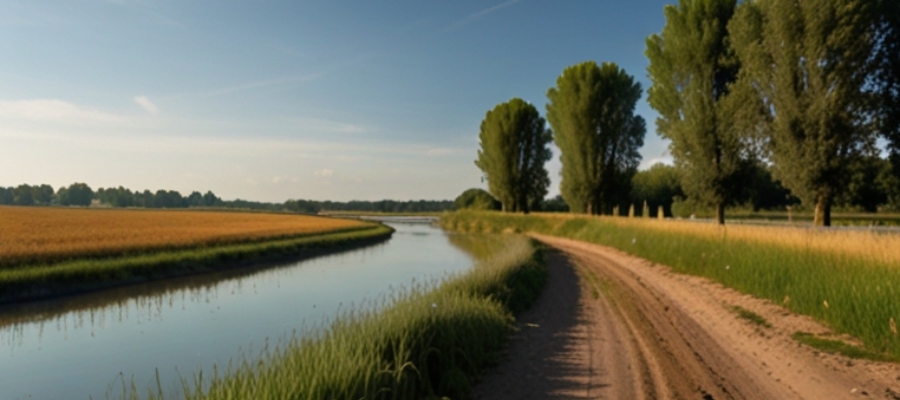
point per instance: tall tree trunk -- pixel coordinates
(823, 210)
(720, 213)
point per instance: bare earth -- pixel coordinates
(612, 326)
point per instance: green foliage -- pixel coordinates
(514, 148)
(23, 195)
(839, 347)
(868, 185)
(591, 110)
(7, 195)
(764, 192)
(887, 72)
(809, 62)
(751, 316)
(77, 194)
(556, 204)
(658, 186)
(889, 181)
(693, 69)
(476, 199)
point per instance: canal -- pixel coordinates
(87, 346)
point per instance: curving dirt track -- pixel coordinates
(612, 326)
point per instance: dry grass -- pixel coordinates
(31, 235)
(862, 244)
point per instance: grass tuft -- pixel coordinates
(751, 316)
(839, 347)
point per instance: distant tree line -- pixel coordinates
(80, 194)
(766, 103)
(386, 206)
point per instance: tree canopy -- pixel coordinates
(77, 194)
(809, 62)
(591, 111)
(657, 186)
(514, 148)
(693, 69)
(476, 199)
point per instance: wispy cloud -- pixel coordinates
(146, 104)
(478, 15)
(53, 110)
(149, 9)
(266, 83)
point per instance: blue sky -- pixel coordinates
(272, 100)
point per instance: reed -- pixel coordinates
(849, 280)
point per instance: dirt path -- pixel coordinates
(612, 326)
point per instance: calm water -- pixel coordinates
(83, 346)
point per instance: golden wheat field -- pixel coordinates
(34, 234)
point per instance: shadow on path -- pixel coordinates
(546, 357)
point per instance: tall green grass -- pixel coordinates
(427, 341)
(852, 285)
(36, 281)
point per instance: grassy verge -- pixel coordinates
(847, 280)
(751, 316)
(428, 341)
(39, 281)
(839, 347)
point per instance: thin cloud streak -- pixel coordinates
(478, 15)
(146, 104)
(263, 84)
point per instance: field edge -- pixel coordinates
(26, 284)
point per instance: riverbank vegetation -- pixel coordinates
(425, 341)
(846, 279)
(57, 251)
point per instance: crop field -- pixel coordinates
(32, 235)
(849, 280)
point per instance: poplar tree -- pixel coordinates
(591, 111)
(693, 70)
(514, 148)
(809, 61)
(886, 72)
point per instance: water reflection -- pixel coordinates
(143, 303)
(77, 346)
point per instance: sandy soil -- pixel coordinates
(612, 326)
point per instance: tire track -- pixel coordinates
(611, 326)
